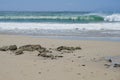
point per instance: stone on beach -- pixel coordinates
(19, 52)
(51, 56)
(43, 52)
(12, 47)
(115, 61)
(45, 55)
(4, 48)
(68, 48)
(30, 47)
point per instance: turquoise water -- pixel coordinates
(62, 24)
(61, 17)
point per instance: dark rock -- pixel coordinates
(78, 48)
(36, 47)
(47, 55)
(44, 50)
(41, 50)
(26, 48)
(12, 47)
(83, 65)
(63, 48)
(4, 48)
(116, 65)
(115, 61)
(19, 52)
(59, 56)
(68, 48)
(110, 60)
(30, 47)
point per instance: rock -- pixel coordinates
(26, 48)
(63, 48)
(59, 56)
(115, 61)
(83, 65)
(37, 47)
(116, 65)
(78, 48)
(30, 47)
(12, 47)
(19, 52)
(47, 55)
(4, 48)
(110, 60)
(42, 50)
(68, 48)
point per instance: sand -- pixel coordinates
(85, 64)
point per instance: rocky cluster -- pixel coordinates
(43, 52)
(114, 61)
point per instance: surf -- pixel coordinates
(59, 17)
(90, 18)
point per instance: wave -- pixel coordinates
(85, 18)
(59, 17)
(113, 18)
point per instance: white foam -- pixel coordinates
(58, 26)
(112, 18)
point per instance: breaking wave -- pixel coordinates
(113, 18)
(89, 18)
(59, 17)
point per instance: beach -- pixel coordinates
(60, 40)
(85, 64)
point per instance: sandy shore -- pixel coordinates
(85, 64)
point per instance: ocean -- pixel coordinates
(65, 25)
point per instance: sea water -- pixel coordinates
(67, 25)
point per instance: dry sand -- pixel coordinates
(85, 64)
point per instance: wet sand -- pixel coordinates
(85, 64)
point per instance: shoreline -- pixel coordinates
(85, 64)
(57, 37)
(111, 39)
